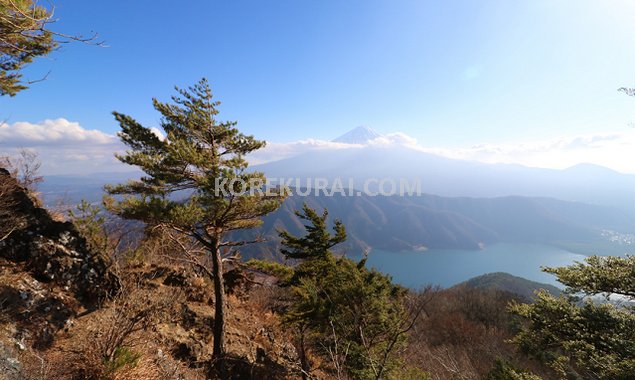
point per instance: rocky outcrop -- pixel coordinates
(52, 251)
(52, 319)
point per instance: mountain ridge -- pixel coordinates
(418, 222)
(457, 178)
(509, 283)
(358, 135)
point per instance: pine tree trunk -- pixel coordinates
(219, 313)
(304, 363)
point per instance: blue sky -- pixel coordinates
(451, 74)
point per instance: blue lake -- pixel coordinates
(447, 267)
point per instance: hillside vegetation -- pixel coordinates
(525, 289)
(157, 308)
(402, 223)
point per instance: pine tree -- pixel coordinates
(317, 242)
(313, 249)
(584, 339)
(353, 316)
(23, 36)
(195, 183)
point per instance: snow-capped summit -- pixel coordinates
(358, 135)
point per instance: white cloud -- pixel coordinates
(58, 132)
(613, 150)
(397, 138)
(157, 132)
(63, 147)
(276, 151)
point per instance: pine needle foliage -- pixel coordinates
(585, 338)
(196, 182)
(23, 37)
(352, 316)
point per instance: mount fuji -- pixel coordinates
(360, 135)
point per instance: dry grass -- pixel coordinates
(113, 342)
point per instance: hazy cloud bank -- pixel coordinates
(613, 150)
(66, 147)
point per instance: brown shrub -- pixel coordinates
(11, 220)
(463, 333)
(112, 344)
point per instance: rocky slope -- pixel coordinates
(47, 277)
(52, 251)
(63, 307)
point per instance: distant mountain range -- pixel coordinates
(458, 178)
(585, 209)
(437, 175)
(431, 222)
(70, 189)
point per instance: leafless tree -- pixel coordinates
(10, 220)
(25, 168)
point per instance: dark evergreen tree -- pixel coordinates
(584, 339)
(353, 316)
(318, 241)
